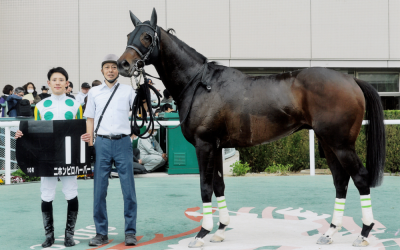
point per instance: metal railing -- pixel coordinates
(228, 152)
(312, 142)
(9, 145)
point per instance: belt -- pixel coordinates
(113, 137)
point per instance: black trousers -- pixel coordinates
(137, 168)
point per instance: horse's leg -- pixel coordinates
(206, 154)
(340, 179)
(350, 161)
(219, 189)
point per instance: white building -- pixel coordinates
(360, 37)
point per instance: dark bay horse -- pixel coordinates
(231, 109)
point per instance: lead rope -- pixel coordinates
(143, 93)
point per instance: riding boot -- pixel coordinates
(72, 215)
(48, 228)
(70, 228)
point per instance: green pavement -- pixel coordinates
(162, 203)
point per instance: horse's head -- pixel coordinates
(143, 45)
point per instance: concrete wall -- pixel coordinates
(39, 34)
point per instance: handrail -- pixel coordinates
(7, 124)
(312, 144)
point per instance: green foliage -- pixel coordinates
(279, 168)
(294, 150)
(239, 169)
(24, 176)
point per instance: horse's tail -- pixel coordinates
(375, 133)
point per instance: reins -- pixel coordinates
(143, 90)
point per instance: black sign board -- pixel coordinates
(53, 148)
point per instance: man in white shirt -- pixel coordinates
(80, 97)
(112, 144)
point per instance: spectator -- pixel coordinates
(12, 101)
(138, 168)
(152, 155)
(7, 90)
(68, 90)
(167, 108)
(80, 97)
(96, 83)
(44, 93)
(30, 93)
(167, 97)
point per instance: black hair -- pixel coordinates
(165, 107)
(96, 83)
(7, 89)
(26, 87)
(57, 70)
(71, 85)
(166, 93)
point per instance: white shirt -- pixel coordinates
(80, 97)
(116, 118)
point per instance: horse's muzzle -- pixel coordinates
(124, 68)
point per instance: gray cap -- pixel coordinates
(110, 58)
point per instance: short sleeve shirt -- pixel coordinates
(116, 117)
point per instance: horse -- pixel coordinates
(221, 107)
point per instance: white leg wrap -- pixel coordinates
(337, 219)
(366, 208)
(338, 212)
(223, 211)
(207, 216)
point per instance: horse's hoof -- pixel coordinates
(217, 239)
(361, 241)
(196, 243)
(324, 240)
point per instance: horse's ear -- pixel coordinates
(153, 20)
(134, 19)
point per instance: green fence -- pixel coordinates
(294, 150)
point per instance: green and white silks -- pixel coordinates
(366, 208)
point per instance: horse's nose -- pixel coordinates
(125, 65)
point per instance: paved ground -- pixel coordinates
(266, 213)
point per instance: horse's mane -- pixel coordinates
(170, 32)
(285, 75)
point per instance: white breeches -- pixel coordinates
(49, 184)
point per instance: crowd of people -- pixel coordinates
(28, 92)
(109, 139)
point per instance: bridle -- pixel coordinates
(155, 42)
(137, 71)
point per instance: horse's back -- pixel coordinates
(331, 101)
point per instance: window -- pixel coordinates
(383, 82)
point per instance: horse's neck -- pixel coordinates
(177, 65)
